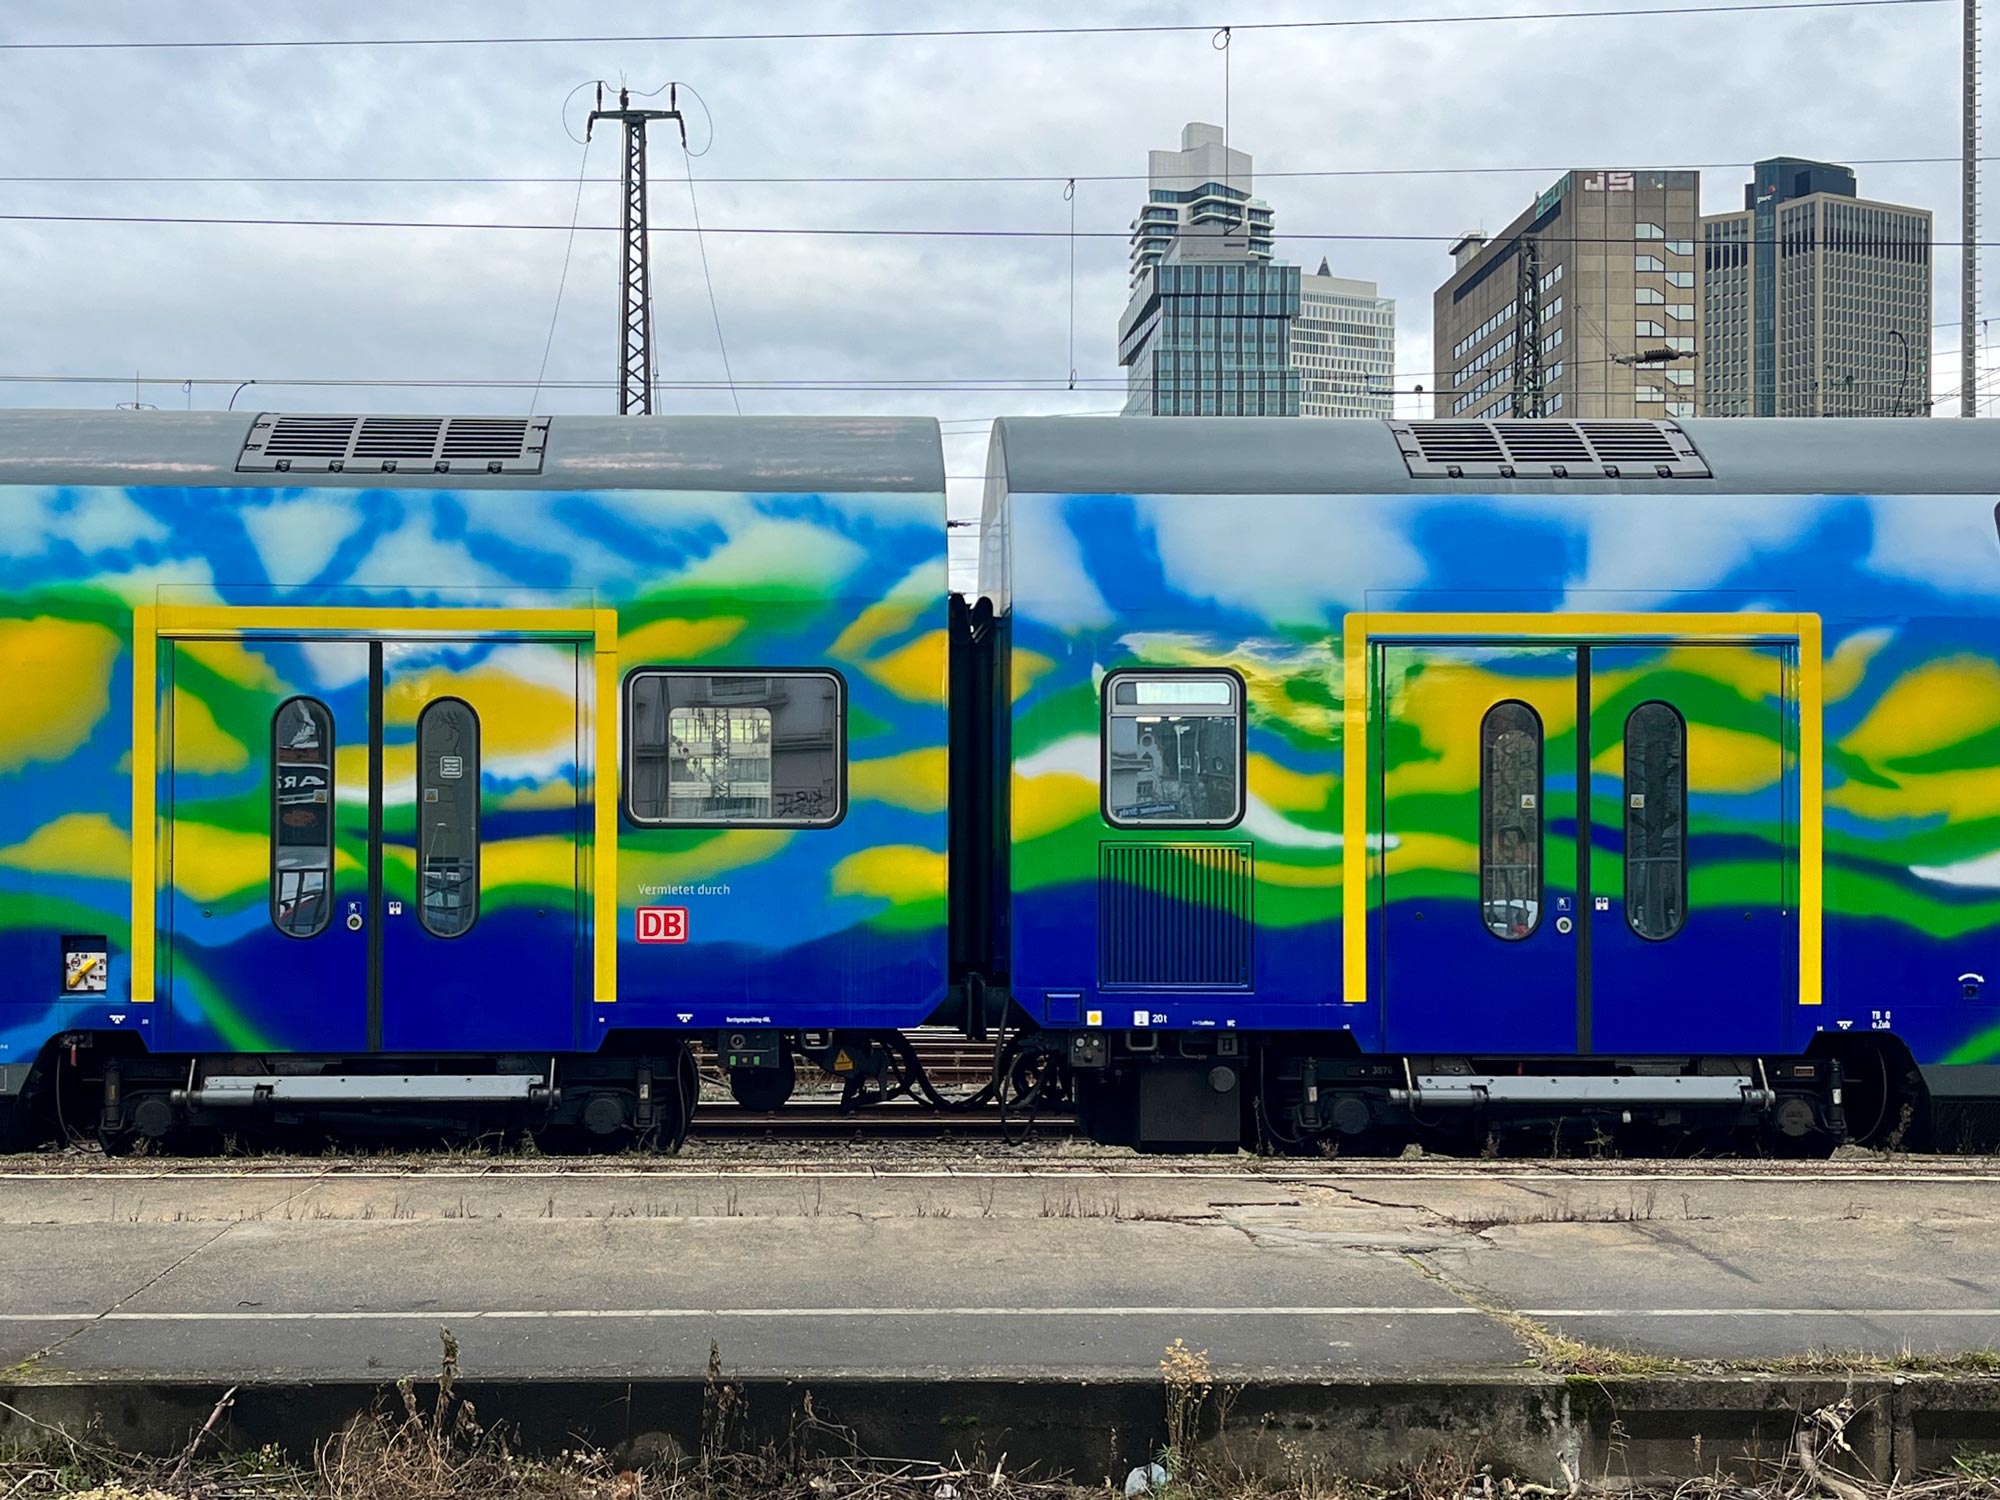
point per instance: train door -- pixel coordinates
(1693, 939)
(1477, 798)
(375, 844)
(1656, 919)
(482, 845)
(265, 749)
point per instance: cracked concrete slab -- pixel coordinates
(1315, 1272)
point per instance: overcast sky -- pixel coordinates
(288, 303)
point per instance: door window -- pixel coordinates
(448, 817)
(301, 817)
(1510, 820)
(1655, 820)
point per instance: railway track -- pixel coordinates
(801, 1120)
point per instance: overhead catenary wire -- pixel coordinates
(708, 278)
(1396, 382)
(1052, 387)
(562, 280)
(836, 231)
(1069, 197)
(890, 178)
(931, 33)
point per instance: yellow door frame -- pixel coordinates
(152, 624)
(1361, 855)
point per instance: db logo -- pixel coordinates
(663, 924)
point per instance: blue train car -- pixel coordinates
(1380, 780)
(425, 764)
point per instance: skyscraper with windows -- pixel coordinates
(1816, 302)
(1584, 306)
(1206, 183)
(1207, 331)
(1344, 347)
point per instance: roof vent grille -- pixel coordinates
(1548, 450)
(390, 445)
(1543, 442)
(1630, 442)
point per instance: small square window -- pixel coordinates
(766, 749)
(1173, 749)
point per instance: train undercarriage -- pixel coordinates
(1151, 1091)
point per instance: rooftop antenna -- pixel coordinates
(635, 290)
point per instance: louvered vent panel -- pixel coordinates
(1543, 442)
(1458, 442)
(398, 437)
(1629, 442)
(1548, 450)
(310, 437)
(1174, 916)
(405, 445)
(474, 437)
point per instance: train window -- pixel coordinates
(1173, 749)
(767, 748)
(301, 817)
(1655, 820)
(1510, 820)
(448, 817)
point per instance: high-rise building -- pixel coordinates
(1205, 183)
(1344, 347)
(1584, 306)
(1208, 332)
(1816, 302)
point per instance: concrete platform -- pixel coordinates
(1026, 1272)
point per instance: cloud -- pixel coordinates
(278, 304)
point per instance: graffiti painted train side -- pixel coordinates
(848, 919)
(1903, 591)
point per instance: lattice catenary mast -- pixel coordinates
(1968, 335)
(1528, 329)
(635, 291)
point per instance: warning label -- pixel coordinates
(663, 924)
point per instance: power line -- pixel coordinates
(823, 231)
(1054, 385)
(562, 280)
(708, 279)
(938, 386)
(891, 179)
(941, 33)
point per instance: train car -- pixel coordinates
(420, 766)
(1448, 781)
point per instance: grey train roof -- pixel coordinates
(1303, 455)
(796, 454)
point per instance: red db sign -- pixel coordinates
(663, 924)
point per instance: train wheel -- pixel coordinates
(762, 1090)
